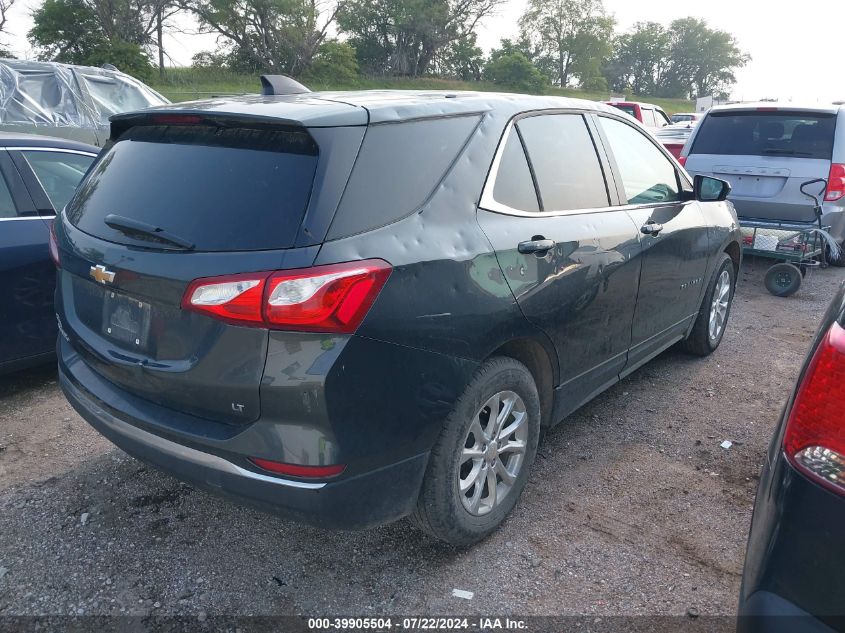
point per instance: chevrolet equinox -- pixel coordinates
(351, 307)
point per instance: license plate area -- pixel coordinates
(126, 320)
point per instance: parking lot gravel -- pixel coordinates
(633, 506)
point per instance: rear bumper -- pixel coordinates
(366, 499)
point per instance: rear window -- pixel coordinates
(627, 109)
(221, 189)
(398, 168)
(791, 134)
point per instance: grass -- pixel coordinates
(185, 84)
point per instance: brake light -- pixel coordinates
(814, 441)
(175, 119)
(682, 160)
(835, 183)
(54, 245)
(333, 298)
(296, 470)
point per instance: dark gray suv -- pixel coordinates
(352, 307)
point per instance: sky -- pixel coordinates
(796, 54)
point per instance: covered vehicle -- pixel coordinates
(73, 102)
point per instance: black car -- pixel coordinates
(353, 307)
(38, 175)
(793, 579)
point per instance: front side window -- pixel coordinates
(59, 173)
(647, 175)
(567, 169)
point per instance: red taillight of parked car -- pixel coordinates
(682, 160)
(814, 441)
(332, 298)
(835, 183)
(54, 245)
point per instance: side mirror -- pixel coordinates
(707, 189)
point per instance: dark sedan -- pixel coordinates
(793, 578)
(39, 176)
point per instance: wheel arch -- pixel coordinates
(538, 360)
(735, 252)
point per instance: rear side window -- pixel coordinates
(59, 173)
(566, 166)
(514, 186)
(398, 168)
(7, 203)
(754, 133)
(648, 117)
(221, 189)
(648, 176)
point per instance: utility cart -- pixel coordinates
(799, 246)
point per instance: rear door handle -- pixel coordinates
(651, 228)
(538, 246)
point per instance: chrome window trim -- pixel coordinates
(27, 217)
(489, 203)
(61, 150)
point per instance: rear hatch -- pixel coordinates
(178, 198)
(766, 155)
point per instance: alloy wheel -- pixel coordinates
(719, 307)
(493, 453)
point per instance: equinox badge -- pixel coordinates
(101, 274)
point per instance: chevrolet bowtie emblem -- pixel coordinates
(101, 274)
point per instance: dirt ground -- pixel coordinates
(633, 506)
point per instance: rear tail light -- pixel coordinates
(296, 470)
(682, 160)
(835, 183)
(54, 245)
(814, 441)
(333, 298)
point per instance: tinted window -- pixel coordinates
(568, 172)
(59, 173)
(646, 173)
(627, 109)
(7, 203)
(222, 189)
(803, 135)
(398, 167)
(514, 186)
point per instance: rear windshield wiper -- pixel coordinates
(142, 229)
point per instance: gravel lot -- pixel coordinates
(633, 507)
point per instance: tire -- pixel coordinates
(443, 510)
(701, 340)
(783, 279)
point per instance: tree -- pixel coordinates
(280, 36)
(640, 59)
(572, 36)
(403, 37)
(120, 32)
(335, 62)
(515, 70)
(461, 59)
(701, 60)
(5, 6)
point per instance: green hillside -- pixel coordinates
(185, 84)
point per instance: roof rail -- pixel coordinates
(281, 85)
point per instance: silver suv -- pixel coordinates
(766, 151)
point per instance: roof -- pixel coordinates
(639, 103)
(325, 109)
(776, 105)
(15, 139)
